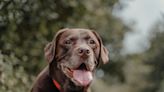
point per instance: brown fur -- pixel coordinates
(70, 49)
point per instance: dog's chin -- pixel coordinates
(79, 76)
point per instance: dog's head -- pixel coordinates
(77, 52)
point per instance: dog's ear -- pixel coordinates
(50, 48)
(48, 52)
(103, 51)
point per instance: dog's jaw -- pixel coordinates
(66, 83)
(79, 76)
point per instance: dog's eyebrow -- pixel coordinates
(87, 37)
(73, 38)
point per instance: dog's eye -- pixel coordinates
(91, 42)
(67, 42)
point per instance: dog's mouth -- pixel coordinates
(81, 76)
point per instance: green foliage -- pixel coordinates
(13, 77)
(155, 58)
(26, 26)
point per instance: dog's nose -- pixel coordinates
(83, 51)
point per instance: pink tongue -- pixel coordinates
(83, 77)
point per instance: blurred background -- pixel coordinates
(132, 30)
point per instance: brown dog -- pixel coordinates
(73, 56)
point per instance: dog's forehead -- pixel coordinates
(78, 33)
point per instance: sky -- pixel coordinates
(143, 13)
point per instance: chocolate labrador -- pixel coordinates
(73, 56)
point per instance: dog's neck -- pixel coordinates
(65, 83)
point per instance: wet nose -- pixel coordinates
(83, 51)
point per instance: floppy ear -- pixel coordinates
(48, 52)
(50, 48)
(103, 55)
